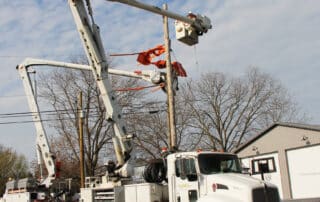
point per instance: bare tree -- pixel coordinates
(216, 112)
(151, 132)
(60, 88)
(151, 127)
(12, 165)
(226, 111)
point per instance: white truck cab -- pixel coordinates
(214, 176)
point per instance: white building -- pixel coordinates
(290, 156)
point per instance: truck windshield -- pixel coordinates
(218, 163)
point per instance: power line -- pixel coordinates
(127, 110)
(12, 96)
(37, 56)
(65, 111)
(33, 113)
(18, 122)
(13, 56)
(93, 114)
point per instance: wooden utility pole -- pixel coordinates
(171, 109)
(80, 116)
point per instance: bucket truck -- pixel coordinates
(30, 189)
(82, 13)
(181, 176)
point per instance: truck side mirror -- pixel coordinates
(264, 168)
(245, 170)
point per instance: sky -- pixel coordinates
(280, 37)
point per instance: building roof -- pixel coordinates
(290, 125)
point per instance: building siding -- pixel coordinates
(280, 139)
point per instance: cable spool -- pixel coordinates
(155, 171)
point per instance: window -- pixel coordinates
(178, 167)
(218, 163)
(185, 168)
(190, 167)
(265, 165)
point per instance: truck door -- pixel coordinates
(186, 180)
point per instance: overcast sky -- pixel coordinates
(281, 37)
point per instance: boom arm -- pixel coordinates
(92, 43)
(198, 23)
(188, 28)
(43, 147)
(155, 77)
(90, 36)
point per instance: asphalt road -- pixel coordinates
(303, 200)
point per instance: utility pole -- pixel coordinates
(80, 116)
(170, 92)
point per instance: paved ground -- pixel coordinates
(303, 200)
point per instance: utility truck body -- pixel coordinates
(191, 177)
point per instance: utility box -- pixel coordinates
(147, 192)
(27, 184)
(12, 185)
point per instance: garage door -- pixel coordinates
(304, 172)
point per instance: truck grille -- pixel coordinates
(267, 194)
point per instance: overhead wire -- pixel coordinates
(58, 112)
(132, 109)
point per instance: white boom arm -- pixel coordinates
(155, 77)
(43, 147)
(198, 23)
(90, 37)
(92, 43)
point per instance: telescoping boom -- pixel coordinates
(89, 33)
(43, 149)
